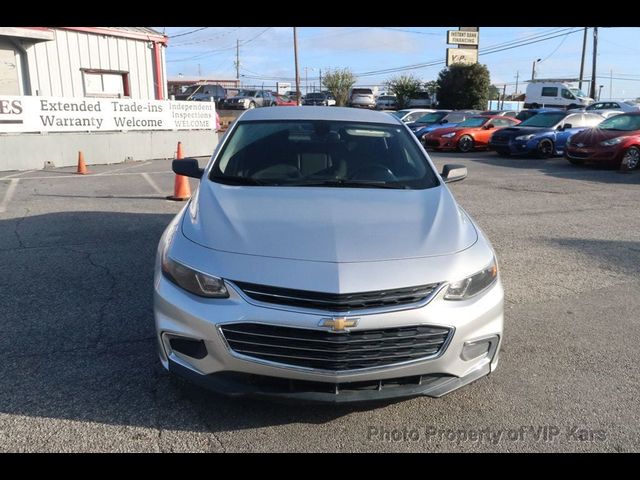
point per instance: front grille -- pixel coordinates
(575, 154)
(325, 350)
(337, 302)
(431, 143)
(499, 140)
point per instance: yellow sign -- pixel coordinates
(467, 56)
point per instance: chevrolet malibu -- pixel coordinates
(323, 258)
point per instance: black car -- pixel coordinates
(316, 98)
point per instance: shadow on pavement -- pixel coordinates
(78, 331)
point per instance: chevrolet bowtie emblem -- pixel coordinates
(339, 324)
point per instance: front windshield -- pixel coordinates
(247, 93)
(430, 118)
(544, 120)
(474, 122)
(323, 153)
(577, 92)
(626, 123)
(401, 113)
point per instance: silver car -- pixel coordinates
(323, 258)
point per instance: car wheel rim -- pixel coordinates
(545, 148)
(465, 144)
(631, 158)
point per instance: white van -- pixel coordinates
(554, 93)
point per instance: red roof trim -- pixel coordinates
(120, 33)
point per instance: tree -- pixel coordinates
(338, 82)
(494, 93)
(464, 86)
(404, 88)
(431, 88)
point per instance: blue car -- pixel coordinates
(527, 113)
(447, 119)
(544, 134)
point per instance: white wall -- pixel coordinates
(55, 65)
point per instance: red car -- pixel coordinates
(473, 133)
(614, 142)
(284, 101)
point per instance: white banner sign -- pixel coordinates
(61, 114)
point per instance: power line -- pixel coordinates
(214, 52)
(188, 33)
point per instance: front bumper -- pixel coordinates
(182, 315)
(440, 143)
(593, 155)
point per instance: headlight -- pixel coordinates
(195, 282)
(470, 286)
(525, 137)
(611, 142)
(449, 135)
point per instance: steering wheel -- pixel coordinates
(375, 172)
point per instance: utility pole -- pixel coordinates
(238, 60)
(610, 84)
(504, 94)
(533, 69)
(320, 79)
(592, 92)
(295, 55)
(517, 78)
(584, 50)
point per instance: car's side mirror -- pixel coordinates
(188, 167)
(566, 126)
(490, 126)
(444, 121)
(453, 173)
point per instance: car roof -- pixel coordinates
(318, 113)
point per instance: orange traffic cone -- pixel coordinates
(82, 168)
(181, 188)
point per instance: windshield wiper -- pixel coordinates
(347, 183)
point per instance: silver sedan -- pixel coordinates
(324, 259)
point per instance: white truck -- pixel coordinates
(558, 93)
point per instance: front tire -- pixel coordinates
(630, 159)
(545, 148)
(465, 144)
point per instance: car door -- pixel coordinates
(571, 125)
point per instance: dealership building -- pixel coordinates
(110, 84)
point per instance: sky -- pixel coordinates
(266, 54)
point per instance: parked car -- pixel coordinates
(362, 97)
(544, 134)
(203, 92)
(614, 142)
(321, 233)
(317, 98)
(613, 105)
(473, 133)
(451, 119)
(248, 99)
(530, 112)
(432, 118)
(421, 99)
(410, 115)
(549, 93)
(386, 102)
(501, 113)
(285, 101)
(331, 101)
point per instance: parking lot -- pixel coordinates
(80, 371)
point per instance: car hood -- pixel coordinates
(517, 131)
(328, 224)
(438, 126)
(593, 136)
(444, 130)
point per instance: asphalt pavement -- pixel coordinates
(80, 371)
